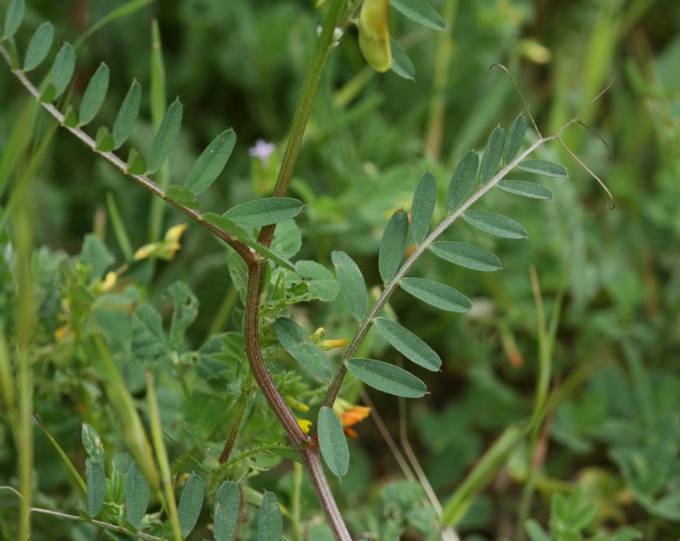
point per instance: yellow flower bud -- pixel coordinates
(305, 425)
(374, 35)
(334, 343)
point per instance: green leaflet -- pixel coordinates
(466, 255)
(493, 153)
(294, 340)
(408, 344)
(516, 134)
(96, 486)
(182, 195)
(127, 114)
(92, 443)
(266, 211)
(393, 245)
(39, 46)
(419, 11)
(227, 510)
(184, 311)
(94, 95)
(13, 17)
(332, 442)
(148, 339)
(103, 140)
(211, 162)
(532, 190)
(320, 281)
(62, 70)
(495, 224)
(136, 495)
(438, 295)
(543, 167)
(166, 137)
(269, 521)
(191, 503)
(462, 180)
(387, 378)
(422, 208)
(135, 163)
(401, 63)
(352, 285)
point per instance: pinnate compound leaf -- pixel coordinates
(294, 340)
(419, 11)
(332, 442)
(211, 162)
(96, 486)
(265, 211)
(136, 495)
(13, 17)
(532, 190)
(191, 503)
(352, 285)
(422, 208)
(227, 511)
(94, 95)
(269, 521)
(493, 152)
(166, 137)
(393, 245)
(387, 378)
(543, 167)
(495, 224)
(462, 180)
(466, 255)
(39, 46)
(127, 114)
(436, 294)
(408, 344)
(401, 63)
(62, 70)
(516, 134)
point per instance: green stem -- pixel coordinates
(296, 510)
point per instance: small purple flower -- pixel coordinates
(262, 150)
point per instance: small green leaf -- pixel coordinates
(95, 254)
(287, 239)
(70, 118)
(184, 311)
(191, 503)
(536, 532)
(94, 95)
(387, 378)
(293, 339)
(62, 70)
(269, 521)
(545, 168)
(393, 245)
(408, 344)
(182, 195)
(211, 162)
(332, 442)
(103, 140)
(516, 134)
(320, 281)
(96, 486)
(135, 163)
(92, 443)
(13, 17)
(148, 339)
(166, 137)
(438, 295)
(266, 211)
(466, 255)
(127, 114)
(401, 63)
(419, 11)
(493, 153)
(136, 495)
(352, 285)
(39, 46)
(495, 224)
(422, 208)
(462, 180)
(532, 190)
(227, 511)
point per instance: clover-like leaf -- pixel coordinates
(393, 245)
(422, 208)
(495, 224)
(211, 162)
(408, 344)
(436, 294)
(332, 442)
(387, 378)
(466, 255)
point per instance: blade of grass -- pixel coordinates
(114, 15)
(7, 383)
(17, 144)
(119, 227)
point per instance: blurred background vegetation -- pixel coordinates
(240, 63)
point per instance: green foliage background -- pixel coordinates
(616, 436)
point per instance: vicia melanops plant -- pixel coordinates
(117, 496)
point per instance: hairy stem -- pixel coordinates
(364, 326)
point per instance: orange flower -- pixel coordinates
(353, 416)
